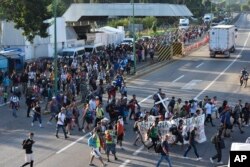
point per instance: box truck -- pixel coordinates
(222, 40)
(183, 24)
(208, 18)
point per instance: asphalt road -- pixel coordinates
(196, 75)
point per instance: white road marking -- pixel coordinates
(125, 163)
(177, 79)
(139, 150)
(199, 65)
(145, 99)
(191, 84)
(71, 144)
(208, 86)
(4, 104)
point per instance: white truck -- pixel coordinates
(184, 24)
(208, 18)
(222, 40)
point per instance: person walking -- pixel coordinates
(208, 108)
(192, 144)
(216, 140)
(37, 114)
(120, 130)
(14, 104)
(60, 122)
(27, 146)
(110, 142)
(165, 152)
(94, 143)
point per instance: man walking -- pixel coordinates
(27, 146)
(60, 122)
(192, 144)
(165, 152)
(14, 104)
(216, 140)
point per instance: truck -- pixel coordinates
(208, 18)
(222, 40)
(184, 24)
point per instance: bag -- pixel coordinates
(158, 148)
(108, 137)
(24, 144)
(213, 139)
(222, 144)
(91, 141)
(56, 117)
(186, 137)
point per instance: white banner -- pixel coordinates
(164, 127)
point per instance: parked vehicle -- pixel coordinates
(71, 53)
(127, 41)
(222, 40)
(95, 48)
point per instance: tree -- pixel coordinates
(28, 15)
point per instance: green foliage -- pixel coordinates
(27, 15)
(148, 22)
(119, 22)
(245, 8)
(154, 27)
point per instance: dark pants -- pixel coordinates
(154, 142)
(37, 117)
(28, 111)
(63, 128)
(192, 144)
(218, 155)
(131, 114)
(209, 119)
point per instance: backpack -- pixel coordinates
(24, 144)
(158, 148)
(91, 141)
(108, 136)
(186, 137)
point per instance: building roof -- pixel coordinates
(77, 10)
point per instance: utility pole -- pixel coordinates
(134, 36)
(55, 47)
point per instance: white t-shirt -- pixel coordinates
(61, 118)
(208, 108)
(92, 105)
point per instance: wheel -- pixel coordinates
(232, 50)
(227, 54)
(212, 54)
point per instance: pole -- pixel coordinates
(55, 48)
(134, 37)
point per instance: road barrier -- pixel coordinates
(196, 45)
(166, 52)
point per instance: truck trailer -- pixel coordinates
(222, 40)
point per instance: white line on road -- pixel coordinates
(140, 149)
(224, 69)
(4, 104)
(199, 65)
(177, 79)
(71, 144)
(125, 163)
(145, 99)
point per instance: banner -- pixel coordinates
(164, 126)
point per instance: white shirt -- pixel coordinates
(61, 118)
(208, 108)
(92, 105)
(194, 107)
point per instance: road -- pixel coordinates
(196, 75)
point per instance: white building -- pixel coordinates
(41, 47)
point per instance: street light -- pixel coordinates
(134, 36)
(55, 46)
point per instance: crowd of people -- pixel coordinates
(92, 76)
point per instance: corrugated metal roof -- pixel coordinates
(76, 10)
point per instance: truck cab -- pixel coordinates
(183, 24)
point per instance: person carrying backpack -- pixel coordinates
(219, 145)
(94, 143)
(164, 152)
(110, 142)
(27, 146)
